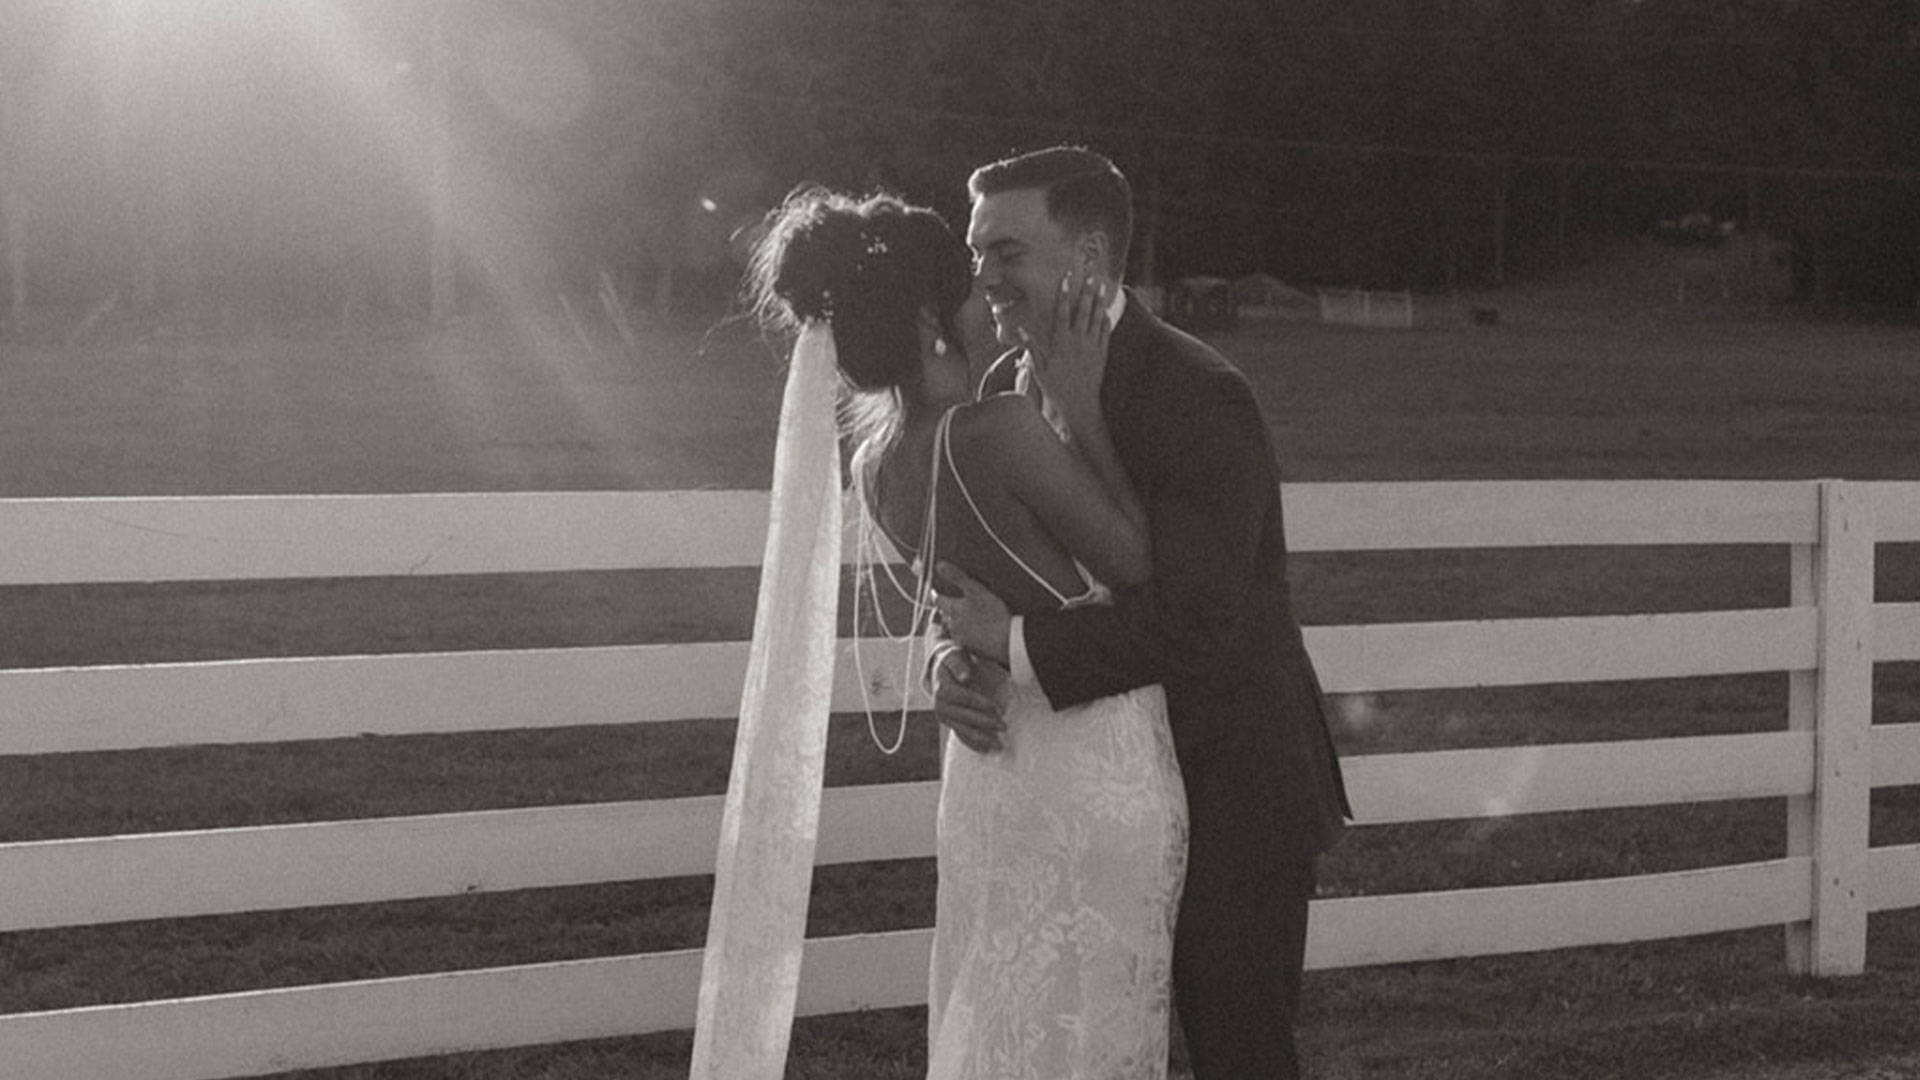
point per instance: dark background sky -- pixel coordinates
(290, 154)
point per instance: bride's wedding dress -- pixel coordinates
(1060, 860)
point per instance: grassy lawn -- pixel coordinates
(1552, 392)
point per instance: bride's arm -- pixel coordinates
(1095, 447)
(1007, 437)
(1071, 372)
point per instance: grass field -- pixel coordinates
(1554, 390)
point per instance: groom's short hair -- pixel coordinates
(1085, 191)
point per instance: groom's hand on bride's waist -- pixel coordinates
(976, 618)
(970, 698)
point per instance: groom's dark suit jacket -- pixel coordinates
(1215, 625)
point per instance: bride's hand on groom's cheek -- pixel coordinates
(1071, 372)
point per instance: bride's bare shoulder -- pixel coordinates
(998, 424)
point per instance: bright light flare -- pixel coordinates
(532, 75)
(206, 22)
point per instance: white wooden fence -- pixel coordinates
(1825, 765)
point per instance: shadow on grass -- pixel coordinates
(1718, 1006)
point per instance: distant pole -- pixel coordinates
(1563, 183)
(1913, 190)
(13, 215)
(1149, 229)
(13, 208)
(1500, 224)
(180, 275)
(441, 266)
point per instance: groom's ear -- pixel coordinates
(1094, 250)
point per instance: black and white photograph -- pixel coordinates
(960, 539)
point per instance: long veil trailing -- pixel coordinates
(764, 866)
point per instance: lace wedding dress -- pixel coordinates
(1060, 860)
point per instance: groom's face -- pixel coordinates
(1020, 256)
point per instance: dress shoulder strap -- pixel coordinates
(944, 452)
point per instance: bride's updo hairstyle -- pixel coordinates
(866, 266)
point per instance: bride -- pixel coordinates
(1061, 856)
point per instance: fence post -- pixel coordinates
(1803, 707)
(1832, 824)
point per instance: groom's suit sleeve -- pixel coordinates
(1204, 469)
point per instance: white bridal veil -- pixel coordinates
(765, 862)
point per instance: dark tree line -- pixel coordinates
(1390, 142)
(176, 163)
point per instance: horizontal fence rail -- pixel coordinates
(121, 707)
(247, 701)
(180, 538)
(1824, 765)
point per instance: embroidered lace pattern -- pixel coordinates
(1061, 860)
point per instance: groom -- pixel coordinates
(1215, 625)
